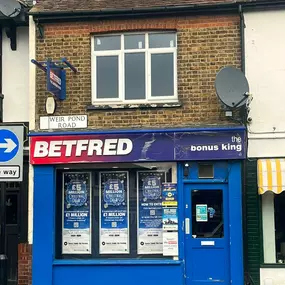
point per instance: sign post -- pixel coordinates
(11, 153)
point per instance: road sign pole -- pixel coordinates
(3, 256)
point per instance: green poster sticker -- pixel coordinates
(201, 213)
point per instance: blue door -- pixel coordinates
(207, 256)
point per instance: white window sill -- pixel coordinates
(133, 106)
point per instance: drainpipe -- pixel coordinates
(242, 46)
(247, 280)
(1, 95)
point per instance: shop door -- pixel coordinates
(206, 234)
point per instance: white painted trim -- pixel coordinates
(32, 70)
(121, 62)
(32, 119)
(268, 226)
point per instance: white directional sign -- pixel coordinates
(11, 153)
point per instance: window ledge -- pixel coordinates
(133, 106)
(272, 265)
(115, 262)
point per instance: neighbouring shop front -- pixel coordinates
(271, 186)
(143, 207)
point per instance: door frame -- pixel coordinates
(233, 179)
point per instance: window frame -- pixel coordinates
(149, 99)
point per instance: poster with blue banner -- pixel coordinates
(76, 231)
(169, 194)
(114, 204)
(149, 189)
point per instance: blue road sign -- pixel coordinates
(9, 145)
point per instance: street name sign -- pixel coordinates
(64, 122)
(11, 153)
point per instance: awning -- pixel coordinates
(271, 175)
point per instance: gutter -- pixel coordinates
(152, 11)
(155, 11)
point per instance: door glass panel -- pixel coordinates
(207, 214)
(11, 209)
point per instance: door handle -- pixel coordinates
(187, 226)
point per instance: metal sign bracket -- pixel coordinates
(56, 75)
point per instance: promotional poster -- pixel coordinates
(170, 219)
(170, 244)
(114, 231)
(76, 232)
(169, 194)
(150, 212)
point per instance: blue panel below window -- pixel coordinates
(119, 275)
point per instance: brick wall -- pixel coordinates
(24, 264)
(205, 44)
(252, 226)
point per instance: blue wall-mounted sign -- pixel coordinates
(56, 75)
(56, 80)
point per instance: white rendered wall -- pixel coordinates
(15, 77)
(265, 71)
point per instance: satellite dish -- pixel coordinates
(10, 8)
(231, 87)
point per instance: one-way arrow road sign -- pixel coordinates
(8, 146)
(11, 153)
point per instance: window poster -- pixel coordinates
(201, 213)
(169, 194)
(76, 231)
(114, 205)
(170, 219)
(150, 240)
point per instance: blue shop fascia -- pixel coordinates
(144, 206)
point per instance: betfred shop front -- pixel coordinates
(151, 206)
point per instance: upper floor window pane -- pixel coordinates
(134, 41)
(162, 74)
(107, 77)
(107, 43)
(135, 76)
(165, 40)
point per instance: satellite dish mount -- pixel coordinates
(232, 87)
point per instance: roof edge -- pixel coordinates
(160, 10)
(140, 11)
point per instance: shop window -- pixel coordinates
(273, 212)
(134, 68)
(112, 211)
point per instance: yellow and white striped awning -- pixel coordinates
(271, 175)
